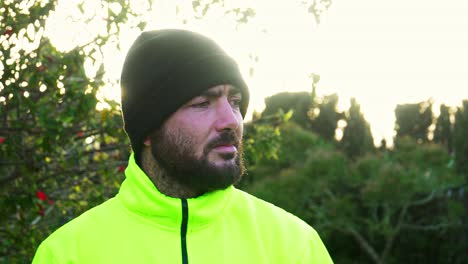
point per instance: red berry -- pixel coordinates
(2, 139)
(41, 195)
(80, 133)
(121, 168)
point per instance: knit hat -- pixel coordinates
(163, 70)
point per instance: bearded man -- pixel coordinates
(183, 103)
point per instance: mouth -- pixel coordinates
(225, 147)
(226, 144)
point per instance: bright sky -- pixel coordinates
(380, 52)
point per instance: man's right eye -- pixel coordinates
(202, 104)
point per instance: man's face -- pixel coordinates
(200, 144)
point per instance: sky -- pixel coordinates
(382, 53)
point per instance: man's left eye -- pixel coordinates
(236, 101)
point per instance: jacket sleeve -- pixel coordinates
(44, 255)
(316, 252)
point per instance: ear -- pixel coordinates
(147, 142)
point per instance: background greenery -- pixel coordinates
(59, 156)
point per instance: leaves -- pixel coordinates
(241, 15)
(58, 154)
(370, 201)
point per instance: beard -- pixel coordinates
(175, 154)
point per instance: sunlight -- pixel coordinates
(388, 53)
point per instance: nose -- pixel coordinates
(227, 116)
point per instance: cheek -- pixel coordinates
(198, 136)
(193, 130)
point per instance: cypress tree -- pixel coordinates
(443, 130)
(461, 139)
(357, 137)
(414, 120)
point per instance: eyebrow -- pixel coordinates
(220, 92)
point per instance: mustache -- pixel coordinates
(228, 137)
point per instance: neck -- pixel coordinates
(163, 182)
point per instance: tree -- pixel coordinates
(299, 103)
(413, 120)
(365, 209)
(461, 154)
(59, 155)
(315, 7)
(326, 121)
(443, 133)
(383, 145)
(357, 137)
(460, 139)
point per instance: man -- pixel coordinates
(183, 102)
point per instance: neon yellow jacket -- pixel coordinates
(142, 225)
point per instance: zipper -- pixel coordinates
(183, 231)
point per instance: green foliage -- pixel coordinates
(318, 7)
(357, 137)
(242, 15)
(296, 138)
(325, 122)
(317, 114)
(443, 133)
(371, 202)
(299, 103)
(284, 189)
(461, 139)
(414, 120)
(59, 156)
(367, 203)
(261, 143)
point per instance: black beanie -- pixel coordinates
(163, 70)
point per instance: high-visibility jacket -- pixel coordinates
(142, 225)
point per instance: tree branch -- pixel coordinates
(11, 176)
(422, 201)
(394, 234)
(428, 227)
(364, 245)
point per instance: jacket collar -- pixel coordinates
(139, 195)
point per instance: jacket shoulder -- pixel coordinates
(91, 220)
(266, 211)
(80, 230)
(282, 231)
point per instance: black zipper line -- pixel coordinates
(183, 231)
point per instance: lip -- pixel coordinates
(225, 148)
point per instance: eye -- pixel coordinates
(201, 104)
(236, 101)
